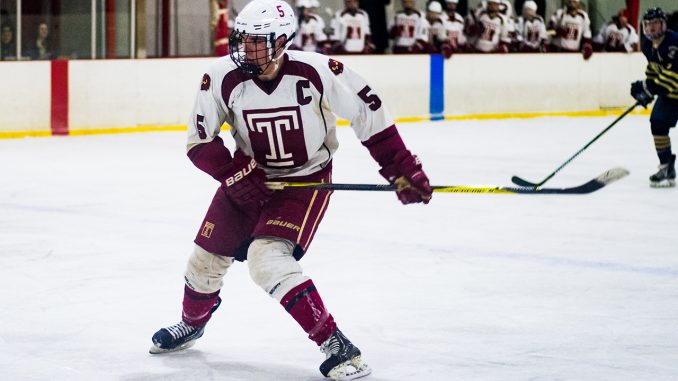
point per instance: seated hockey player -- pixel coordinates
(491, 30)
(280, 106)
(455, 27)
(409, 30)
(351, 30)
(572, 28)
(437, 31)
(311, 35)
(531, 30)
(660, 47)
(617, 35)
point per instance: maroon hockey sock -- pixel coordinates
(197, 307)
(306, 307)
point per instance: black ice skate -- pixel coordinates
(666, 176)
(343, 359)
(177, 337)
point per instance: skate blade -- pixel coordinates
(156, 350)
(663, 184)
(350, 370)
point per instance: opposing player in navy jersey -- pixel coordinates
(280, 106)
(660, 47)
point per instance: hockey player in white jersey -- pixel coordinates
(491, 30)
(531, 30)
(572, 28)
(280, 107)
(618, 35)
(438, 41)
(311, 33)
(351, 28)
(409, 30)
(455, 27)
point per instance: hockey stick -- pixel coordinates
(524, 183)
(590, 186)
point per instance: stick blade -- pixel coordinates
(522, 182)
(605, 178)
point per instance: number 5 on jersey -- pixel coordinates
(372, 100)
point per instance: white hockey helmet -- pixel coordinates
(452, 1)
(252, 43)
(435, 7)
(304, 4)
(529, 4)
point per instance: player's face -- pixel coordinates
(623, 21)
(492, 7)
(256, 50)
(351, 4)
(408, 4)
(306, 12)
(572, 4)
(529, 13)
(451, 7)
(654, 29)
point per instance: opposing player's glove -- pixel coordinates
(641, 93)
(244, 182)
(405, 172)
(587, 50)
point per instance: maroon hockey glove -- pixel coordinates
(244, 182)
(447, 50)
(405, 172)
(587, 50)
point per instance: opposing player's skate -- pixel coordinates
(343, 360)
(666, 176)
(177, 337)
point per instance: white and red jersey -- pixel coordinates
(310, 33)
(495, 30)
(617, 39)
(408, 27)
(437, 33)
(351, 29)
(570, 29)
(287, 125)
(531, 33)
(455, 31)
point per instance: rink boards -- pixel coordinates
(109, 96)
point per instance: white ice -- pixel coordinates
(95, 232)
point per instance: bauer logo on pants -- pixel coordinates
(207, 229)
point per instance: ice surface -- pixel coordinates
(95, 232)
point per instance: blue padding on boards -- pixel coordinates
(437, 98)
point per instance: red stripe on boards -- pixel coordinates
(59, 110)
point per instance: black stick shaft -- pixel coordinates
(588, 144)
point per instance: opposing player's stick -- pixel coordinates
(588, 187)
(524, 183)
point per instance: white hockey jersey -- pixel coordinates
(617, 39)
(350, 29)
(531, 33)
(409, 28)
(437, 32)
(287, 125)
(496, 29)
(455, 31)
(572, 29)
(310, 33)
